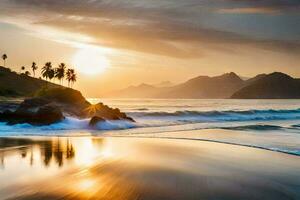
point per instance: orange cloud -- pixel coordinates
(250, 10)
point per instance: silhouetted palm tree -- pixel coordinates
(60, 72)
(4, 57)
(46, 70)
(34, 67)
(71, 77)
(51, 74)
(27, 73)
(22, 68)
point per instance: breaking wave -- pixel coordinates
(229, 115)
(69, 123)
(257, 127)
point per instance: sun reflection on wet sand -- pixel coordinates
(128, 168)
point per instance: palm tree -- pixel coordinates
(34, 67)
(60, 72)
(51, 74)
(4, 57)
(22, 68)
(46, 70)
(27, 73)
(71, 77)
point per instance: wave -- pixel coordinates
(161, 119)
(256, 127)
(142, 109)
(229, 115)
(69, 123)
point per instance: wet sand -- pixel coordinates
(143, 168)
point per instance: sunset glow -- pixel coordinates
(150, 99)
(90, 61)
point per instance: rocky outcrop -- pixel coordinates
(74, 104)
(44, 115)
(94, 120)
(106, 112)
(50, 106)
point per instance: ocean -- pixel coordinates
(269, 124)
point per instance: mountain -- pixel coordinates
(16, 85)
(255, 78)
(141, 91)
(205, 87)
(200, 87)
(276, 85)
(164, 84)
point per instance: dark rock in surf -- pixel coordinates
(49, 114)
(45, 115)
(95, 120)
(51, 105)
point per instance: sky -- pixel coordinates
(116, 43)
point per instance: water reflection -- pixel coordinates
(128, 168)
(54, 151)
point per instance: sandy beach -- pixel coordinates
(142, 168)
(150, 100)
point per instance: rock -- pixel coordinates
(12, 106)
(6, 115)
(45, 115)
(50, 105)
(33, 103)
(94, 120)
(129, 119)
(63, 95)
(70, 101)
(49, 114)
(74, 104)
(30, 106)
(109, 113)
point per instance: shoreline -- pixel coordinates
(127, 168)
(171, 135)
(207, 140)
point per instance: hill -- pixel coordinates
(205, 87)
(200, 87)
(276, 85)
(16, 85)
(164, 84)
(140, 91)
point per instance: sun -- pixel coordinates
(90, 61)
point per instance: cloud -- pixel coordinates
(260, 6)
(265, 10)
(168, 27)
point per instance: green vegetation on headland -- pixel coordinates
(13, 84)
(22, 84)
(49, 103)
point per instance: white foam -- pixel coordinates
(69, 123)
(115, 125)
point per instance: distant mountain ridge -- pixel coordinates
(205, 87)
(276, 85)
(273, 86)
(164, 84)
(20, 85)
